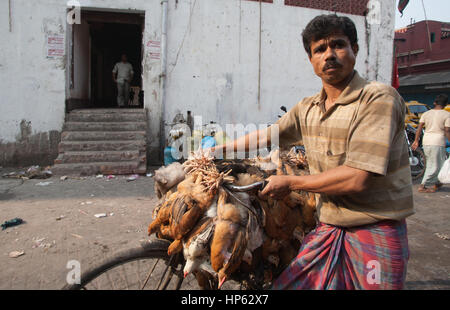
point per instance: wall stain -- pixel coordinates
(30, 149)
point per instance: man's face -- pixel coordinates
(124, 58)
(333, 58)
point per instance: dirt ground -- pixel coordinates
(79, 235)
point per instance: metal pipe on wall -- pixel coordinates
(10, 16)
(163, 74)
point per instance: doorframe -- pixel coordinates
(105, 15)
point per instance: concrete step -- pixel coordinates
(108, 111)
(105, 117)
(99, 156)
(102, 135)
(105, 126)
(116, 168)
(81, 146)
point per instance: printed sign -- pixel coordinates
(55, 46)
(154, 49)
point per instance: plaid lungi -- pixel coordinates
(365, 257)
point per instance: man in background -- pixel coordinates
(437, 127)
(123, 75)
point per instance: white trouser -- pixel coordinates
(123, 93)
(435, 157)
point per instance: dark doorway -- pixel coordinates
(109, 42)
(97, 45)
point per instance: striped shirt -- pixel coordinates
(363, 130)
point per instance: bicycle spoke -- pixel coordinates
(138, 271)
(124, 277)
(94, 284)
(149, 275)
(180, 281)
(168, 279)
(137, 268)
(164, 273)
(111, 282)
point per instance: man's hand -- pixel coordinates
(415, 145)
(278, 187)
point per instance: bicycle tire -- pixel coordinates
(155, 249)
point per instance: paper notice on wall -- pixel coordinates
(55, 46)
(154, 49)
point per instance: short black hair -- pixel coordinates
(323, 26)
(441, 100)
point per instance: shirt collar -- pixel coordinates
(351, 93)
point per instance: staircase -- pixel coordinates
(103, 141)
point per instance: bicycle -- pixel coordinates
(116, 272)
(417, 160)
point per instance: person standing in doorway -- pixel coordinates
(437, 128)
(123, 75)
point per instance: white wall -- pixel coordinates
(32, 87)
(213, 60)
(82, 58)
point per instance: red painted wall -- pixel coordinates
(416, 39)
(355, 7)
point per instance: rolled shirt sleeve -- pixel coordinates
(371, 135)
(423, 117)
(289, 130)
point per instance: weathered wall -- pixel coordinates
(213, 64)
(32, 87)
(214, 58)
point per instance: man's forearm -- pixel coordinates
(418, 133)
(342, 180)
(250, 142)
(447, 133)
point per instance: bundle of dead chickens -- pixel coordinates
(228, 235)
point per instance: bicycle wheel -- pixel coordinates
(144, 267)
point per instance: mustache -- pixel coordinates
(331, 64)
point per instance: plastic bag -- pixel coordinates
(444, 174)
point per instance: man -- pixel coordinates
(437, 128)
(353, 133)
(123, 75)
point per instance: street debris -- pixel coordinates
(86, 203)
(13, 222)
(100, 215)
(134, 177)
(110, 177)
(34, 172)
(63, 178)
(111, 214)
(44, 183)
(60, 217)
(443, 236)
(81, 211)
(39, 243)
(100, 176)
(77, 236)
(149, 175)
(15, 254)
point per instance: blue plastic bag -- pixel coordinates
(208, 142)
(168, 158)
